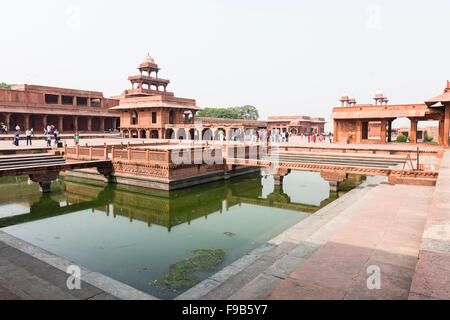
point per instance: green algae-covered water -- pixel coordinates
(159, 242)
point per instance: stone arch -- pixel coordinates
(134, 117)
(181, 134)
(170, 134)
(82, 124)
(154, 134)
(216, 134)
(134, 134)
(143, 134)
(207, 134)
(68, 123)
(17, 119)
(125, 133)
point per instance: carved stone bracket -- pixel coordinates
(44, 179)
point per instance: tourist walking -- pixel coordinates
(49, 139)
(76, 138)
(28, 134)
(314, 138)
(287, 136)
(16, 138)
(56, 134)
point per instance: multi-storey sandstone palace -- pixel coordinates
(147, 110)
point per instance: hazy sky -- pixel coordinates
(284, 57)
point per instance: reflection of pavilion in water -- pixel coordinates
(159, 207)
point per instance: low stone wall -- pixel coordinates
(160, 179)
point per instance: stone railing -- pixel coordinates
(86, 153)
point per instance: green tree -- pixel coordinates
(218, 113)
(247, 112)
(4, 85)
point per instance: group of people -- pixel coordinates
(313, 138)
(49, 131)
(3, 128)
(278, 136)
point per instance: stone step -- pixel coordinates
(30, 164)
(352, 160)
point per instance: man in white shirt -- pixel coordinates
(28, 134)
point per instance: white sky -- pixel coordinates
(284, 57)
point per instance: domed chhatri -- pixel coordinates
(148, 59)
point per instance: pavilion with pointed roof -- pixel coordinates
(148, 110)
(352, 121)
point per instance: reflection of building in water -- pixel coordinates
(156, 207)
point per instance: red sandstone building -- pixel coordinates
(30, 106)
(146, 110)
(359, 123)
(296, 125)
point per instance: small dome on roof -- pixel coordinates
(344, 96)
(148, 59)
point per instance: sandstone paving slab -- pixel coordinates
(257, 289)
(6, 294)
(53, 276)
(103, 296)
(199, 291)
(284, 266)
(237, 281)
(292, 289)
(432, 276)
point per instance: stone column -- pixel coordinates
(441, 132)
(102, 124)
(75, 122)
(383, 131)
(389, 138)
(8, 120)
(334, 178)
(89, 123)
(44, 120)
(44, 179)
(278, 174)
(27, 121)
(358, 131)
(60, 123)
(413, 131)
(335, 131)
(446, 124)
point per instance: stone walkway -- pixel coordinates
(385, 233)
(31, 273)
(432, 277)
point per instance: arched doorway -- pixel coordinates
(143, 134)
(134, 134)
(170, 134)
(181, 134)
(154, 134)
(217, 135)
(207, 134)
(125, 133)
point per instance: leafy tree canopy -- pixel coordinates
(246, 112)
(4, 85)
